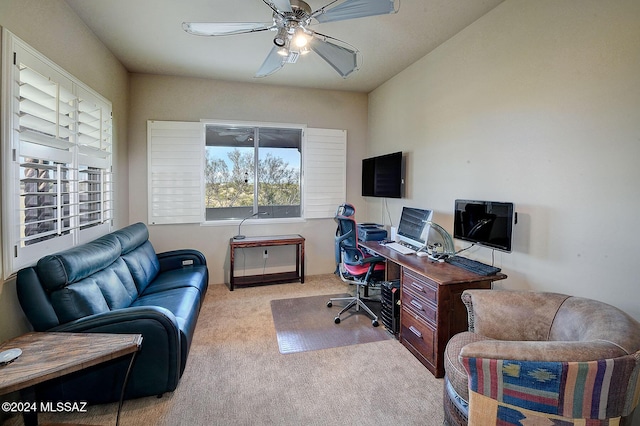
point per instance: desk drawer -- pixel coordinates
(419, 285)
(419, 304)
(418, 333)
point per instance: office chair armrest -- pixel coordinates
(373, 259)
(355, 256)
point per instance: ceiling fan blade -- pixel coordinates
(351, 9)
(224, 28)
(279, 5)
(341, 59)
(274, 62)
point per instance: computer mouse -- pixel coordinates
(422, 254)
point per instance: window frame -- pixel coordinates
(256, 148)
(87, 117)
(323, 174)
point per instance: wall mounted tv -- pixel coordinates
(486, 223)
(382, 176)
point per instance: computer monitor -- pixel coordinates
(412, 229)
(486, 223)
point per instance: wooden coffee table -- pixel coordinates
(47, 356)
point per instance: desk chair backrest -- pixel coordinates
(348, 253)
(347, 250)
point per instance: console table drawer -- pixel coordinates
(419, 285)
(419, 335)
(419, 304)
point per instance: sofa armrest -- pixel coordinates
(541, 351)
(512, 315)
(158, 362)
(177, 259)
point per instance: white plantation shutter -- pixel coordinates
(44, 152)
(95, 185)
(325, 172)
(176, 157)
(56, 182)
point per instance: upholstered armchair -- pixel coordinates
(542, 358)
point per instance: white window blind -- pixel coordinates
(56, 146)
(175, 155)
(325, 172)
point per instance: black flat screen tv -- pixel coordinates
(486, 223)
(382, 176)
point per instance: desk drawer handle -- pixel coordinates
(417, 305)
(415, 331)
(416, 286)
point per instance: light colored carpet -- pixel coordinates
(235, 374)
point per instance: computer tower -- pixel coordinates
(389, 306)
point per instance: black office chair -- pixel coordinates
(354, 266)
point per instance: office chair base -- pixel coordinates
(353, 301)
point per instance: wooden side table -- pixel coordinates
(47, 356)
(267, 241)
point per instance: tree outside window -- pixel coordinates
(252, 169)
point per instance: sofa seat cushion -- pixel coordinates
(179, 301)
(184, 304)
(455, 371)
(192, 276)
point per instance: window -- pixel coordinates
(252, 170)
(57, 189)
(207, 171)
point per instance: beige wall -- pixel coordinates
(54, 30)
(537, 103)
(187, 99)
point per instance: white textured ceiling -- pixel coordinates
(147, 37)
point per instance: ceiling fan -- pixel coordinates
(292, 20)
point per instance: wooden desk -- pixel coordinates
(47, 356)
(267, 241)
(432, 309)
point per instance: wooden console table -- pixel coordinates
(267, 241)
(430, 295)
(47, 356)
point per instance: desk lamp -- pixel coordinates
(240, 236)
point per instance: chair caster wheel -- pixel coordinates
(329, 304)
(375, 323)
(336, 320)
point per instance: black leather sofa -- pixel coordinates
(118, 284)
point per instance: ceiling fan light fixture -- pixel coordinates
(281, 37)
(300, 39)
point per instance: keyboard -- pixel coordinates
(472, 265)
(400, 248)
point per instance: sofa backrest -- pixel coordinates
(108, 289)
(86, 280)
(61, 269)
(138, 254)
